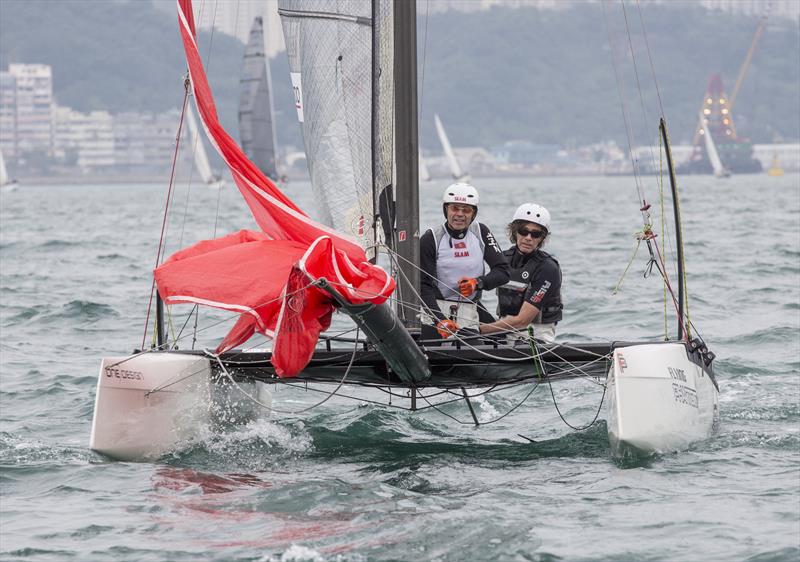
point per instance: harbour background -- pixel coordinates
(353, 481)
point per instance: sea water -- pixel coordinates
(351, 480)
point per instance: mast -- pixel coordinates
(662, 125)
(406, 160)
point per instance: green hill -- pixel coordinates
(545, 76)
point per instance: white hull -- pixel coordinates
(659, 400)
(148, 405)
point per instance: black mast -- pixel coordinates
(406, 160)
(662, 125)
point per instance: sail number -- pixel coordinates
(681, 393)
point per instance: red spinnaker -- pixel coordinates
(267, 276)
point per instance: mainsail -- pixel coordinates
(256, 112)
(334, 48)
(455, 168)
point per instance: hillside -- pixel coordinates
(493, 76)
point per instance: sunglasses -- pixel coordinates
(535, 234)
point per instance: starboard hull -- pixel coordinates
(661, 399)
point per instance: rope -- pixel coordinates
(166, 208)
(285, 412)
(543, 371)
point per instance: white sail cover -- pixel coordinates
(199, 149)
(455, 167)
(256, 112)
(329, 44)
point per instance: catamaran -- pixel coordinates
(455, 168)
(353, 70)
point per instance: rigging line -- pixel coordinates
(166, 208)
(287, 412)
(623, 106)
(424, 52)
(497, 419)
(188, 317)
(636, 74)
(650, 58)
(560, 415)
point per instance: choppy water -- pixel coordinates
(351, 481)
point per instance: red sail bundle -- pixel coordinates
(267, 276)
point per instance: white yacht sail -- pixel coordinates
(256, 111)
(3, 171)
(455, 168)
(713, 156)
(424, 174)
(200, 157)
(6, 182)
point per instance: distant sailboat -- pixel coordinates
(256, 110)
(455, 168)
(6, 183)
(424, 174)
(720, 170)
(200, 157)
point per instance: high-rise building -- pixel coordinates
(33, 86)
(8, 115)
(26, 110)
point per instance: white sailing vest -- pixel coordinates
(457, 258)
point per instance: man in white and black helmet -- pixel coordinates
(452, 258)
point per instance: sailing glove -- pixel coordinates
(446, 328)
(467, 286)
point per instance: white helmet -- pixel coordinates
(461, 192)
(532, 212)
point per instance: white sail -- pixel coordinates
(713, 156)
(3, 171)
(7, 183)
(256, 112)
(424, 174)
(200, 157)
(455, 168)
(346, 119)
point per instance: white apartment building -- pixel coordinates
(26, 100)
(84, 139)
(144, 143)
(8, 114)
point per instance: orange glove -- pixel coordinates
(467, 286)
(446, 328)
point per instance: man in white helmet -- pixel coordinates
(533, 295)
(452, 258)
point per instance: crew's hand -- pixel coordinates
(446, 328)
(467, 286)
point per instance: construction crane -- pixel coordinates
(762, 24)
